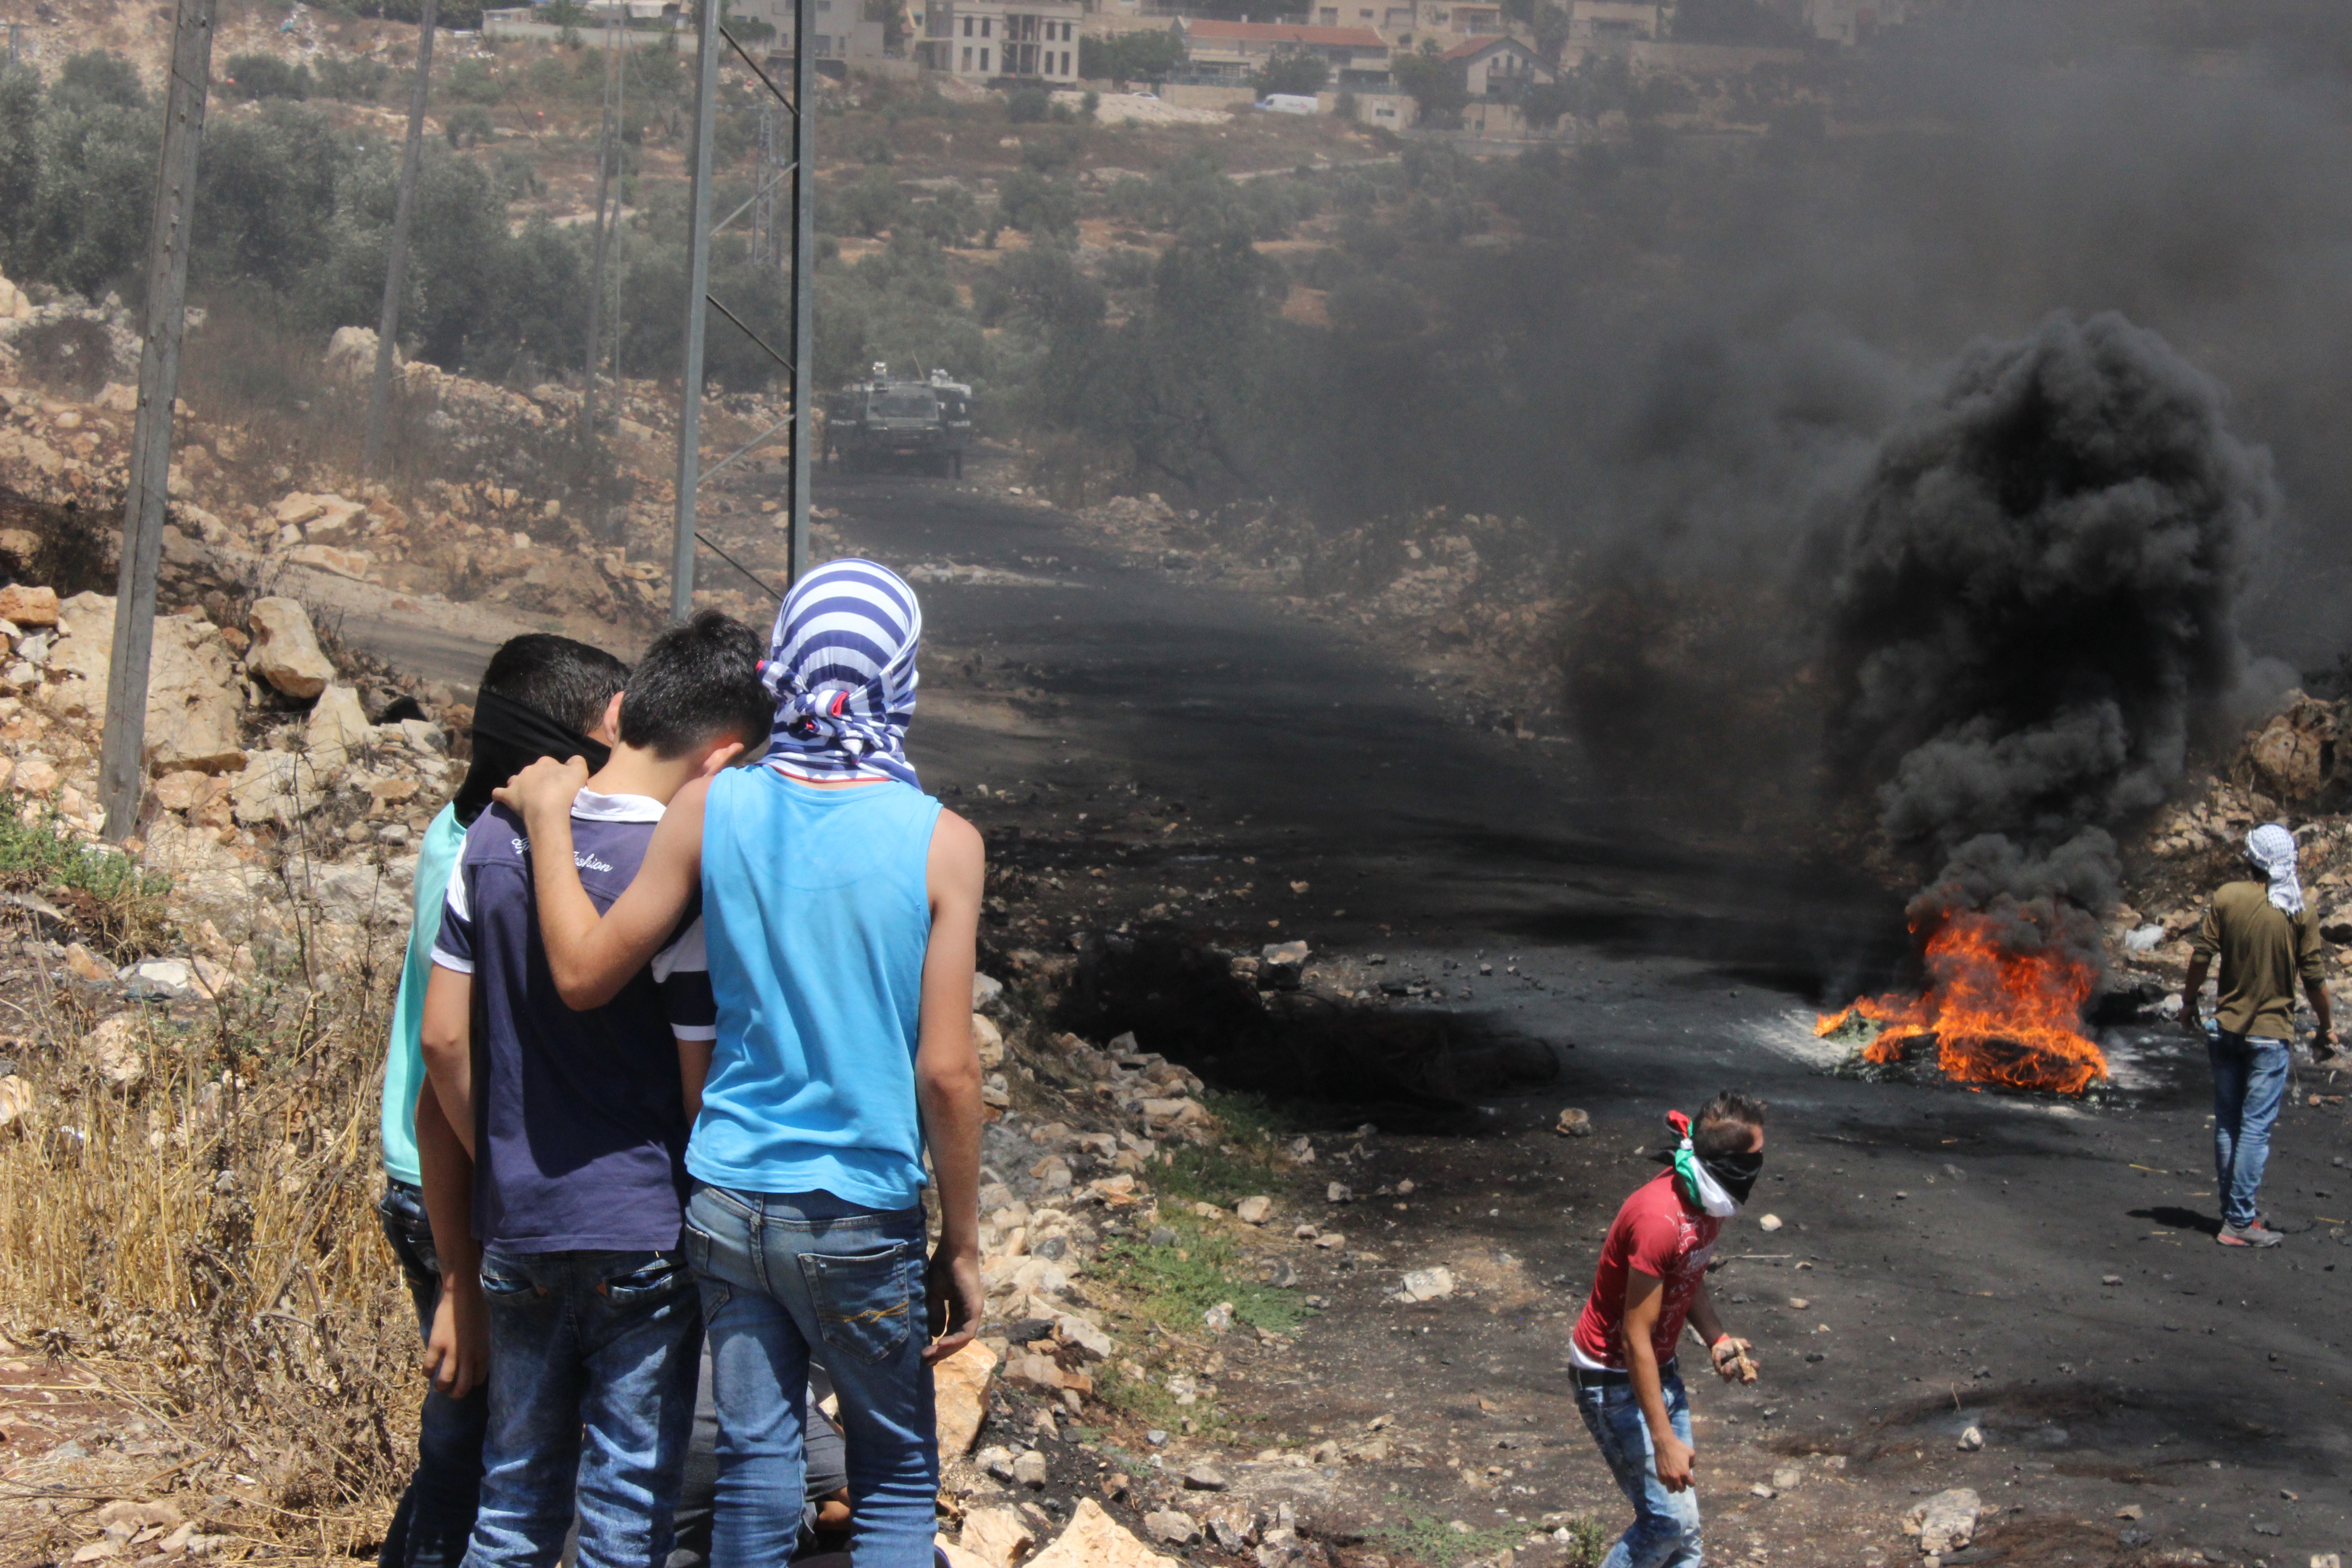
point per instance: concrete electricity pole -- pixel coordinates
(804, 455)
(605, 142)
(122, 769)
(395, 272)
(690, 414)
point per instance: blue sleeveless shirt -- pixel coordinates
(816, 909)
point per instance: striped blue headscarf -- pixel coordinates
(841, 665)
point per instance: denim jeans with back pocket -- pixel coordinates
(1664, 1533)
(783, 1273)
(593, 1364)
(2249, 1076)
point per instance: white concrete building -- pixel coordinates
(982, 40)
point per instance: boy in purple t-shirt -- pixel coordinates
(577, 1125)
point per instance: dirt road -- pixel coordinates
(1137, 744)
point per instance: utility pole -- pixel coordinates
(803, 451)
(395, 272)
(122, 768)
(596, 269)
(690, 414)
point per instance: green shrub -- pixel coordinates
(353, 81)
(252, 77)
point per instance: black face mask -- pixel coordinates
(1736, 1173)
(508, 738)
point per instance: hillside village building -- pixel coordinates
(982, 40)
(1497, 67)
(1234, 51)
(1618, 21)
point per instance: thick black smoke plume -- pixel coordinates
(2036, 614)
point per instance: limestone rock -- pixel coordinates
(1253, 1211)
(1172, 1527)
(997, 1536)
(352, 564)
(16, 1099)
(192, 697)
(1428, 1284)
(957, 1556)
(1574, 1123)
(339, 726)
(2289, 757)
(276, 786)
(1949, 1522)
(297, 509)
(28, 606)
(960, 1392)
(988, 1040)
(286, 651)
(116, 1050)
(1095, 1540)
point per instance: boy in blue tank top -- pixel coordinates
(841, 906)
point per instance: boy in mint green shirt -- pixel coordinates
(540, 695)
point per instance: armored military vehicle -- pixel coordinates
(884, 421)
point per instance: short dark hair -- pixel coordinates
(557, 678)
(697, 684)
(1714, 1135)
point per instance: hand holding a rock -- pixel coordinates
(958, 1301)
(1732, 1361)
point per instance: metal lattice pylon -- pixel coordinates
(800, 107)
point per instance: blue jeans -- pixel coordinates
(784, 1272)
(435, 1515)
(2249, 1083)
(593, 1360)
(1664, 1533)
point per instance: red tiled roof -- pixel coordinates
(1284, 33)
(1473, 48)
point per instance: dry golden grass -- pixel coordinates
(205, 1239)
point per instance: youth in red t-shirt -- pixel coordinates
(1662, 1233)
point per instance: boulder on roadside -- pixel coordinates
(1172, 1527)
(997, 1536)
(192, 695)
(2290, 758)
(1428, 1284)
(28, 606)
(1947, 1521)
(959, 1394)
(286, 651)
(339, 726)
(1095, 1540)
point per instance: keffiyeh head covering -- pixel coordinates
(1718, 1187)
(841, 666)
(2271, 849)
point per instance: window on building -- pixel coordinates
(1328, 16)
(985, 22)
(967, 59)
(983, 61)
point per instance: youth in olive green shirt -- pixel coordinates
(2264, 951)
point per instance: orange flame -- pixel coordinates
(1996, 1016)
